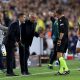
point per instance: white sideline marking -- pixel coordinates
(33, 74)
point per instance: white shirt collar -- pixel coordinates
(19, 23)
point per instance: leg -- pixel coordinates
(63, 65)
(53, 55)
(22, 58)
(27, 53)
(9, 60)
(61, 50)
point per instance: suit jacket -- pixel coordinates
(13, 34)
(27, 30)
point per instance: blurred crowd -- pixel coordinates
(72, 9)
(44, 9)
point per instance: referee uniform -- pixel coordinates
(63, 28)
(62, 43)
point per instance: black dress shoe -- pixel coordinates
(28, 73)
(11, 74)
(25, 73)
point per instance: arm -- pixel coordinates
(3, 28)
(40, 33)
(52, 19)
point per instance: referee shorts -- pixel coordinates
(63, 47)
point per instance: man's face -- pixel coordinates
(32, 17)
(22, 18)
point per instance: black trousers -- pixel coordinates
(24, 55)
(53, 55)
(10, 58)
(64, 45)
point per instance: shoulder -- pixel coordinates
(13, 24)
(62, 17)
(29, 22)
(64, 20)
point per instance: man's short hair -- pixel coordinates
(20, 14)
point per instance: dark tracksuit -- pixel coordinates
(12, 36)
(55, 35)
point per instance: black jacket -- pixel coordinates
(13, 34)
(27, 33)
(63, 26)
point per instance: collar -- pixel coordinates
(19, 23)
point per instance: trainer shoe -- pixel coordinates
(58, 73)
(67, 72)
(50, 66)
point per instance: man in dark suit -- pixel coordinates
(13, 36)
(27, 34)
(20, 32)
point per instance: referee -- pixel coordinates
(62, 43)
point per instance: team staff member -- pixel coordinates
(10, 41)
(55, 35)
(62, 43)
(26, 38)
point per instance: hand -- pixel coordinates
(59, 42)
(61, 35)
(41, 35)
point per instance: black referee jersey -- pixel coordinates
(63, 28)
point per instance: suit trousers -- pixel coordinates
(24, 55)
(10, 58)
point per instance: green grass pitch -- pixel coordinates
(43, 73)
